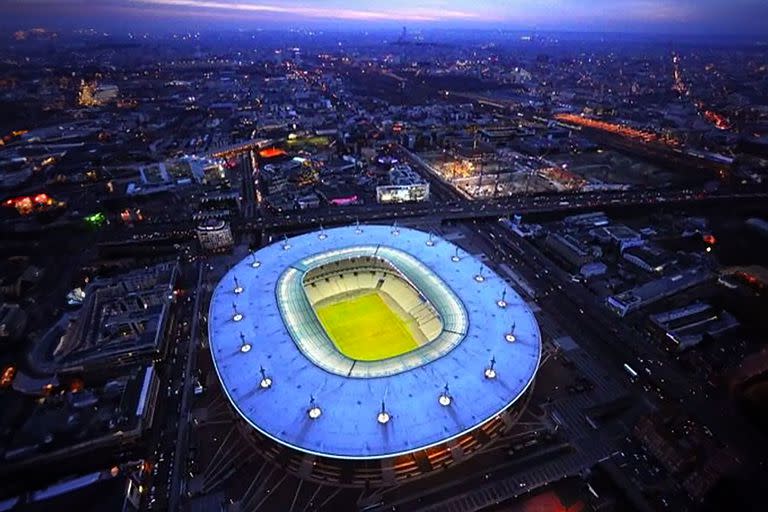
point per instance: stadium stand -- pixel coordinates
(344, 279)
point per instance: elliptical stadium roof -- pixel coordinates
(349, 403)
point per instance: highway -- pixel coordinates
(182, 440)
(452, 209)
(494, 208)
(171, 419)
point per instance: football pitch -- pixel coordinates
(366, 329)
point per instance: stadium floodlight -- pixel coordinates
(455, 258)
(286, 244)
(445, 397)
(480, 277)
(314, 410)
(238, 289)
(237, 316)
(502, 302)
(245, 347)
(510, 336)
(383, 416)
(266, 381)
(395, 230)
(322, 235)
(358, 229)
(490, 370)
(430, 242)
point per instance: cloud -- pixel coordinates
(327, 12)
(668, 16)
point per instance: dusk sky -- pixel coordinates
(673, 16)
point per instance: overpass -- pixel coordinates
(451, 210)
(240, 148)
(463, 209)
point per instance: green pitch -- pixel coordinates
(366, 329)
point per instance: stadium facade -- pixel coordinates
(442, 367)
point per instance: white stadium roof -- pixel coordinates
(247, 331)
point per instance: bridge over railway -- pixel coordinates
(466, 209)
(454, 210)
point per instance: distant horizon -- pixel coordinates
(393, 31)
(716, 18)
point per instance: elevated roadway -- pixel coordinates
(458, 209)
(465, 209)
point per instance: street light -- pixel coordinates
(238, 289)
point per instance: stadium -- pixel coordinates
(366, 355)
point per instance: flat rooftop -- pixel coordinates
(124, 314)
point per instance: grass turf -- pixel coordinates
(366, 329)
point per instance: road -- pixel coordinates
(182, 439)
(250, 206)
(465, 209)
(603, 333)
(173, 376)
(452, 209)
(171, 435)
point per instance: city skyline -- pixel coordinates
(635, 16)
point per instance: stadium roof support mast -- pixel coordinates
(255, 263)
(502, 302)
(266, 381)
(237, 316)
(245, 347)
(445, 397)
(314, 410)
(490, 370)
(383, 416)
(455, 258)
(510, 336)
